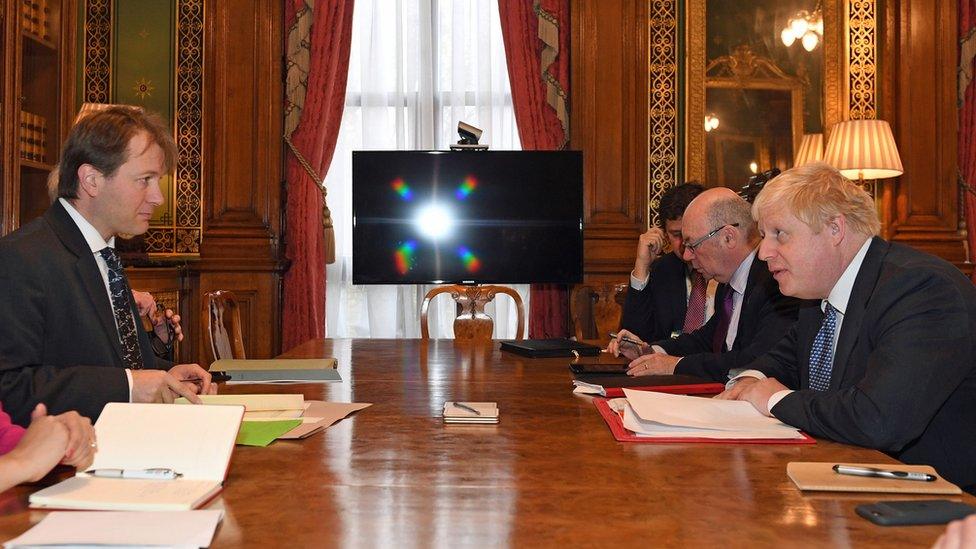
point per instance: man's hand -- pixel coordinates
(160, 386)
(755, 391)
(194, 378)
(162, 321)
(654, 364)
(618, 346)
(649, 246)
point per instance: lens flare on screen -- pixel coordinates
(434, 221)
(471, 261)
(404, 256)
(466, 187)
(402, 189)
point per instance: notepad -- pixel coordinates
(454, 414)
(256, 403)
(821, 477)
(196, 441)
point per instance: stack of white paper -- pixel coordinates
(316, 415)
(653, 414)
(121, 528)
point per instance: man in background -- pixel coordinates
(68, 331)
(666, 296)
(888, 359)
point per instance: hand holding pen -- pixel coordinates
(627, 344)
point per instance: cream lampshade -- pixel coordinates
(811, 149)
(863, 149)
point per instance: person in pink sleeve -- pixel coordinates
(28, 454)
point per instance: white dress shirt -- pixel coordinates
(96, 243)
(839, 297)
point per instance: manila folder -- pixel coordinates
(194, 441)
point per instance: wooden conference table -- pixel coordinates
(549, 474)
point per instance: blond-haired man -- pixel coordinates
(888, 361)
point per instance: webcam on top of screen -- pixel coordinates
(469, 138)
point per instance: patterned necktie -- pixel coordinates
(718, 343)
(131, 355)
(822, 356)
(695, 316)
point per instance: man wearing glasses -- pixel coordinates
(751, 314)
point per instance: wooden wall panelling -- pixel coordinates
(609, 121)
(241, 248)
(918, 67)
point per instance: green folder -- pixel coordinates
(263, 433)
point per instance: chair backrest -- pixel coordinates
(222, 325)
(596, 309)
(472, 323)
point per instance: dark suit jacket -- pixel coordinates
(766, 316)
(904, 372)
(659, 309)
(58, 340)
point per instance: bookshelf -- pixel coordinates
(37, 102)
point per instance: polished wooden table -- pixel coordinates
(549, 474)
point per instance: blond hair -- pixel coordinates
(816, 193)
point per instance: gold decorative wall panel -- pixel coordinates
(663, 96)
(98, 51)
(862, 41)
(180, 233)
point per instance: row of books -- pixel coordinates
(36, 15)
(33, 136)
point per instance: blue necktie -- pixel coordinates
(822, 356)
(131, 355)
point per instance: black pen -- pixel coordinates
(216, 376)
(882, 473)
(625, 339)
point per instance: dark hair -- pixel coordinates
(676, 199)
(102, 140)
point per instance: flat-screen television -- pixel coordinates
(467, 217)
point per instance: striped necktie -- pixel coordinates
(695, 315)
(131, 355)
(822, 353)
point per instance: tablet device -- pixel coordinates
(598, 367)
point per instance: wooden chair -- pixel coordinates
(472, 323)
(596, 309)
(222, 325)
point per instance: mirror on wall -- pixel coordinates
(763, 86)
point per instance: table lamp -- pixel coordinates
(811, 149)
(863, 149)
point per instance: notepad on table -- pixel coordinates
(195, 441)
(470, 412)
(280, 370)
(821, 477)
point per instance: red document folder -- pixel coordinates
(704, 389)
(615, 421)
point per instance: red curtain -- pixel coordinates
(316, 98)
(536, 36)
(967, 115)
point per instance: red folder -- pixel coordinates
(616, 424)
(704, 389)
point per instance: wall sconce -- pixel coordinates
(811, 149)
(863, 150)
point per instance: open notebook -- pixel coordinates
(195, 441)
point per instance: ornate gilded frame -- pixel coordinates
(182, 234)
(850, 82)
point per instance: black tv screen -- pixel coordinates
(467, 217)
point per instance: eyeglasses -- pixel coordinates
(693, 246)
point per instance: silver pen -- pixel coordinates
(466, 407)
(154, 473)
(882, 473)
